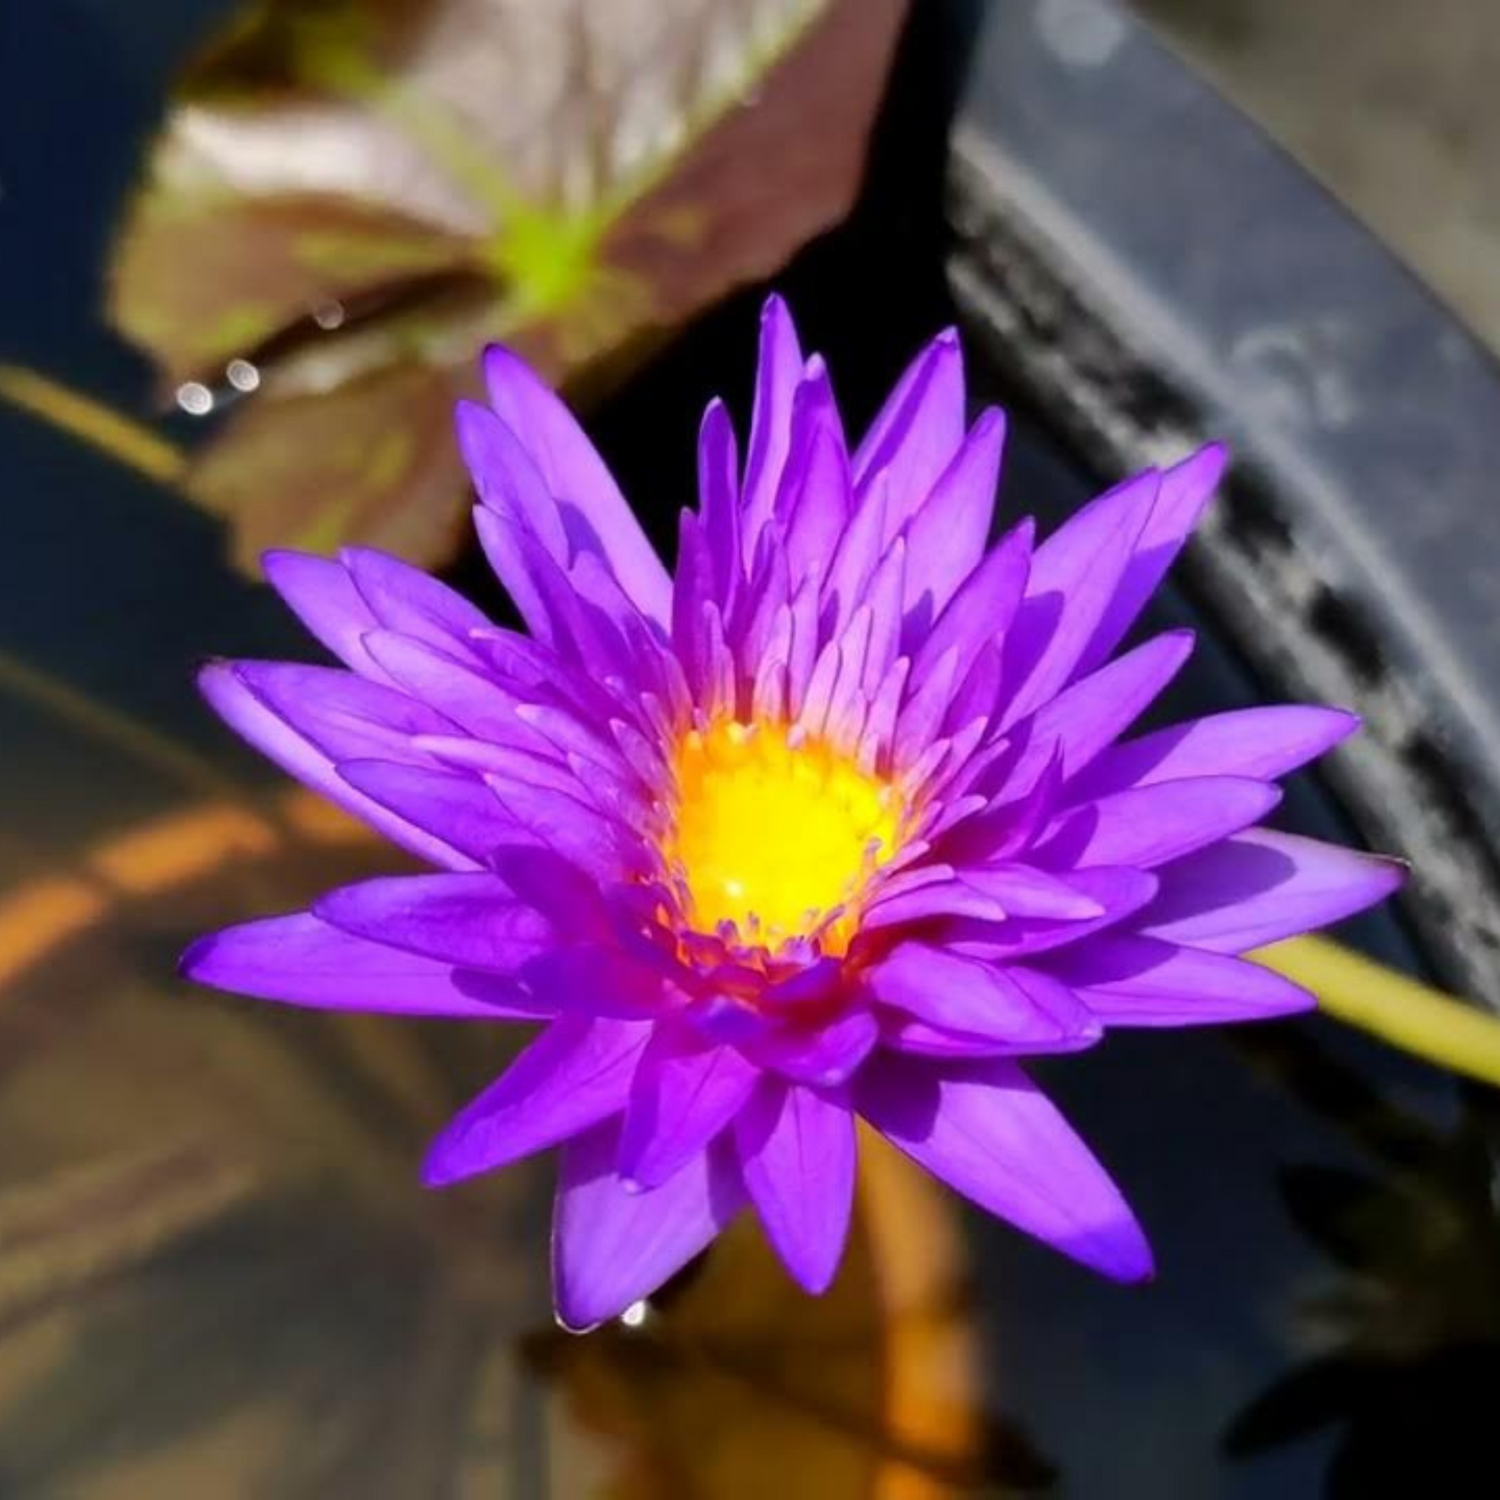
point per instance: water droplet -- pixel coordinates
(329, 315)
(243, 376)
(635, 1314)
(195, 398)
(1081, 33)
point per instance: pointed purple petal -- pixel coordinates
(1120, 892)
(846, 702)
(947, 534)
(252, 719)
(887, 586)
(556, 604)
(345, 716)
(921, 716)
(504, 547)
(439, 804)
(301, 961)
(523, 768)
(778, 372)
(825, 1055)
(984, 606)
(875, 744)
(683, 1096)
(1263, 743)
(797, 1152)
(472, 921)
(405, 598)
(574, 1074)
(1260, 886)
(575, 734)
(563, 892)
(601, 843)
(480, 817)
(1023, 891)
(1008, 827)
(601, 979)
(816, 492)
(719, 500)
(804, 653)
(594, 581)
(813, 712)
(1086, 717)
(611, 1247)
(1074, 576)
(929, 892)
(902, 1033)
(1149, 826)
(1186, 489)
(963, 995)
(322, 595)
(507, 480)
(594, 513)
(1137, 981)
(692, 591)
(978, 696)
(988, 1132)
(917, 432)
(458, 693)
(860, 551)
(761, 630)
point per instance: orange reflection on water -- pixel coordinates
(154, 859)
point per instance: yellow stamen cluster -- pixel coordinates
(773, 835)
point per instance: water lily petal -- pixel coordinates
(251, 718)
(612, 1247)
(797, 1153)
(1148, 826)
(301, 960)
(968, 996)
(574, 1074)
(469, 920)
(989, 1133)
(1127, 980)
(1261, 886)
(594, 513)
(1259, 742)
(682, 1097)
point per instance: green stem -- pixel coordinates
(1450, 1033)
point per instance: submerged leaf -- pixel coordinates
(74, 1226)
(372, 459)
(352, 195)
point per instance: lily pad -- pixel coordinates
(348, 197)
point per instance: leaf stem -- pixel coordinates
(126, 441)
(111, 726)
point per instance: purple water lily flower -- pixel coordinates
(832, 825)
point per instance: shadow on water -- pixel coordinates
(217, 1272)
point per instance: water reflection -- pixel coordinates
(1399, 1334)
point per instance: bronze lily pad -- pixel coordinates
(350, 196)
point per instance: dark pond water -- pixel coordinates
(217, 1274)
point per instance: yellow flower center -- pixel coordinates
(774, 835)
